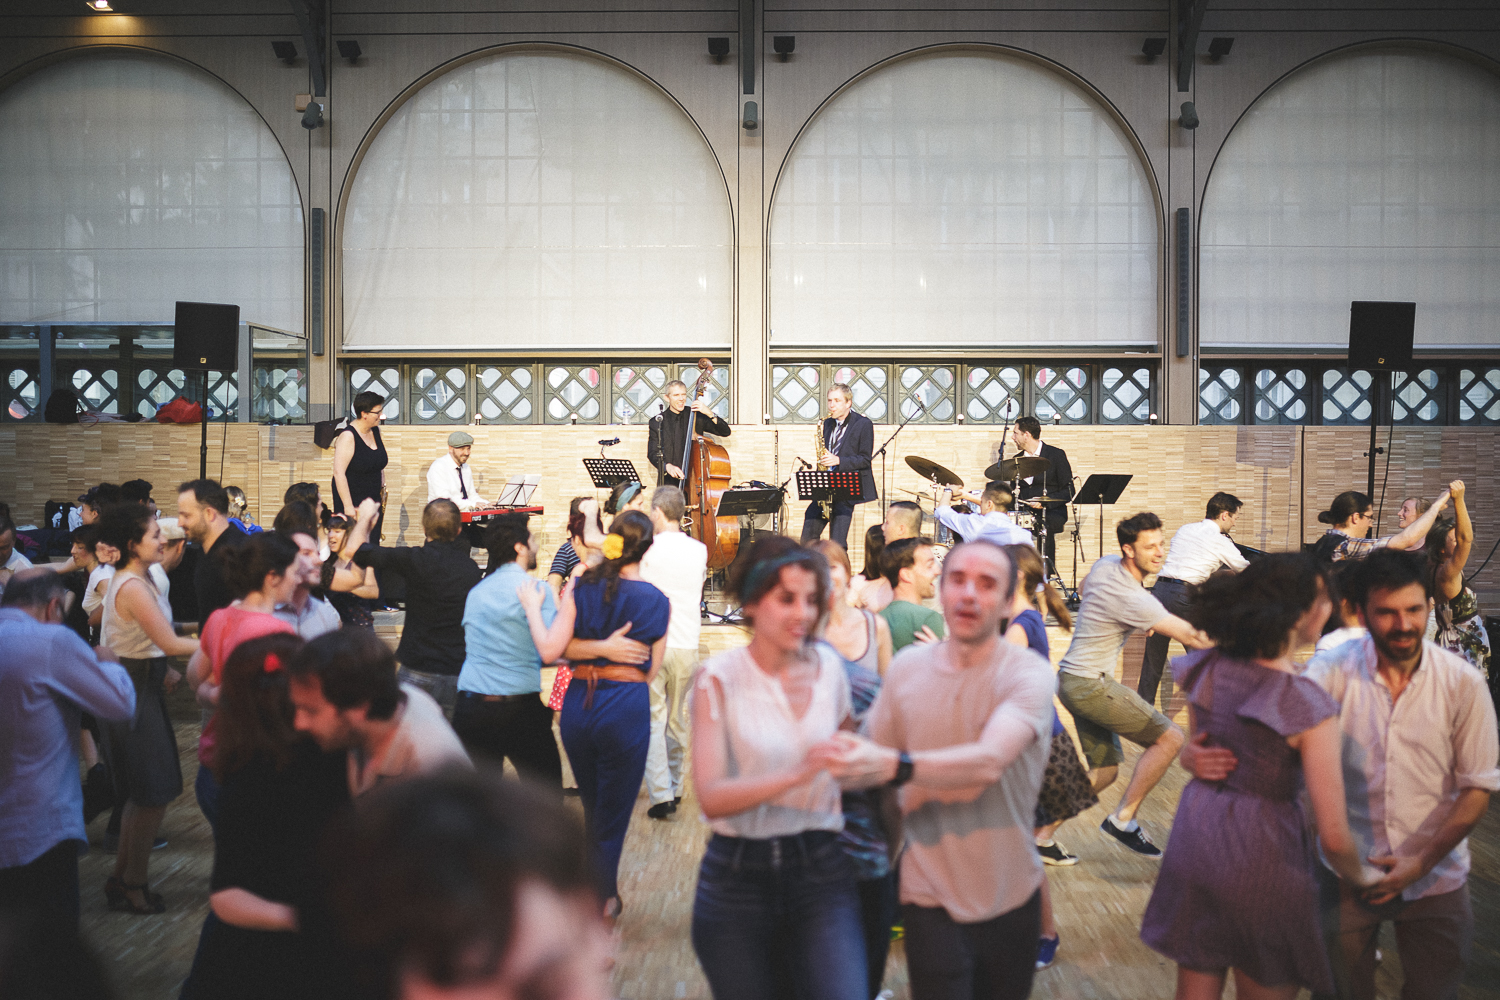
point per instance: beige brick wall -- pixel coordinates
(1285, 475)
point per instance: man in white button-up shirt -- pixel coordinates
(1197, 552)
(1420, 764)
(451, 477)
(991, 524)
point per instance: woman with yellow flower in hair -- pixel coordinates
(606, 714)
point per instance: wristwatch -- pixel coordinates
(903, 770)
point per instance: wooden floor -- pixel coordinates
(1098, 902)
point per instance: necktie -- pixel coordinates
(838, 435)
(463, 491)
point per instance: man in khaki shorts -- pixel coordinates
(1115, 604)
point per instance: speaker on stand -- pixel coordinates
(1381, 335)
(205, 339)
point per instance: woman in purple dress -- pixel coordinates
(1237, 888)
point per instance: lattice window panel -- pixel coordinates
(278, 394)
(1063, 391)
(1346, 396)
(992, 393)
(1281, 396)
(716, 392)
(100, 389)
(1125, 395)
(868, 383)
(154, 388)
(935, 386)
(386, 381)
(1220, 395)
(1419, 398)
(505, 395)
(21, 399)
(1479, 396)
(796, 394)
(439, 395)
(636, 390)
(573, 392)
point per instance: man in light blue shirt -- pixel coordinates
(991, 524)
(47, 677)
(500, 712)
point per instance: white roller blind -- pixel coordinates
(963, 199)
(131, 181)
(538, 199)
(1370, 175)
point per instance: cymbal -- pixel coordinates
(1017, 468)
(928, 469)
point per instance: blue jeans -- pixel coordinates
(607, 746)
(779, 918)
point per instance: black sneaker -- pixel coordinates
(1133, 839)
(661, 810)
(1054, 854)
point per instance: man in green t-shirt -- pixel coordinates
(911, 567)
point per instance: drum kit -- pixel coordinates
(1027, 514)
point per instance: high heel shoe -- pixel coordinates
(116, 894)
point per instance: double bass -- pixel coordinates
(705, 476)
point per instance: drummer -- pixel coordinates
(991, 524)
(451, 477)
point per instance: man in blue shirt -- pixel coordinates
(991, 524)
(499, 712)
(47, 677)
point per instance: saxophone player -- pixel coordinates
(850, 442)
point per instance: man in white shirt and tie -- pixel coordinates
(451, 477)
(1197, 552)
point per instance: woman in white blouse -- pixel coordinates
(777, 912)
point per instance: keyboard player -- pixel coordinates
(451, 477)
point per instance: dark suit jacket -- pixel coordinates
(666, 439)
(1058, 482)
(854, 451)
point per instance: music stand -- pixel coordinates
(605, 472)
(749, 503)
(517, 490)
(1102, 488)
(827, 484)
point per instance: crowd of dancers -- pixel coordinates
(883, 753)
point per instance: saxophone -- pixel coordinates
(819, 450)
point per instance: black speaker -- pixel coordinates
(1380, 335)
(207, 337)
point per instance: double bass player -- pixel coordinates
(666, 442)
(849, 438)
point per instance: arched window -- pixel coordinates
(965, 199)
(538, 200)
(131, 181)
(1371, 174)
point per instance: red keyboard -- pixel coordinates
(482, 514)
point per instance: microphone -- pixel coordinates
(805, 463)
(606, 442)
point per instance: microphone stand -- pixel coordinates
(885, 484)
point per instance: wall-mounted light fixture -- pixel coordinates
(100, 6)
(751, 117)
(1153, 47)
(1218, 48)
(349, 49)
(312, 118)
(718, 48)
(285, 51)
(1189, 119)
(784, 46)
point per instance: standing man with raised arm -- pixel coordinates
(1115, 604)
(1057, 483)
(1198, 551)
(849, 438)
(666, 433)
